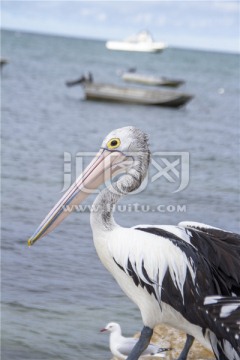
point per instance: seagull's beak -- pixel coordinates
(102, 330)
(105, 165)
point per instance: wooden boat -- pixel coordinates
(109, 92)
(151, 80)
(142, 42)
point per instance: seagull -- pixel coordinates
(166, 270)
(121, 346)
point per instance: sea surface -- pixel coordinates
(56, 295)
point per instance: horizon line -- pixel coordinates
(91, 38)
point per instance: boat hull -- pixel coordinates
(113, 93)
(141, 47)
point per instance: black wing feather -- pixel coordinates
(228, 323)
(216, 263)
(222, 249)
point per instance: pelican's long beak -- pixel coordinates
(105, 165)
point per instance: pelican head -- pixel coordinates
(124, 150)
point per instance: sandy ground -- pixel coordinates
(170, 337)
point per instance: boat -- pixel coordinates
(143, 42)
(151, 80)
(3, 62)
(136, 95)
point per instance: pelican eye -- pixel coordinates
(113, 143)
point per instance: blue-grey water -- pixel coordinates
(56, 295)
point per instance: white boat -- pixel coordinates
(142, 42)
(151, 80)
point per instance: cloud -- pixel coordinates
(85, 12)
(161, 20)
(92, 13)
(227, 6)
(102, 16)
(144, 19)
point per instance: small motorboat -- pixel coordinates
(151, 80)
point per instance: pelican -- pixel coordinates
(121, 346)
(225, 311)
(167, 271)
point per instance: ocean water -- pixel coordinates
(56, 295)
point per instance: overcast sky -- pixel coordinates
(196, 24)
